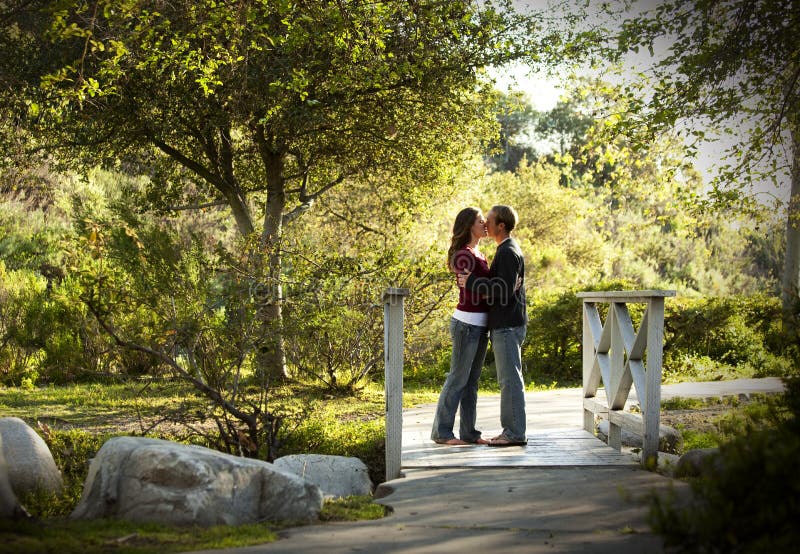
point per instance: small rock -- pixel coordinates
(337, 476)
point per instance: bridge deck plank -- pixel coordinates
(548, 448)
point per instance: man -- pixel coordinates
(508, 320)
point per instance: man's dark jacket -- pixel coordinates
(506, 306)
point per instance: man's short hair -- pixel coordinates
(506, 215)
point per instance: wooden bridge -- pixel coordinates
(560, 422)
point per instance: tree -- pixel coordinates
(565, 125)
(260, 106)
(516, 118)
(732, 66)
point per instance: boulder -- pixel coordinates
(669, 438)
(30, 463)
(697, 462)
(337, 476)
(151, 480)
(9, 505)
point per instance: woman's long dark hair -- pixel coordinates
(462, 235)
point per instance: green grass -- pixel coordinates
(92, 405)
(352, 508)
(63, 536)
(699, 439)
(760, 412)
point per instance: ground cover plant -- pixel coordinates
(711, 422)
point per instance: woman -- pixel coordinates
(468, 329)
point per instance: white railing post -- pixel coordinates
(393, 377)
(651, 403)
(589, 384)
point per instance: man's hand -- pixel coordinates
(462, 279)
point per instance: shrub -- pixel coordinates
(727, 335)
(72, 450)
(365, 440)
(751, 502)
(552, 350)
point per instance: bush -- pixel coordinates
(751, 502)
(709, 338)
(552, 350)
(47, 337)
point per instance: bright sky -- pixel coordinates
(542, 91)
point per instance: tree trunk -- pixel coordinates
(271, 355)
(790, 290)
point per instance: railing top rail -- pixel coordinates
(623, 295)
(394, 292)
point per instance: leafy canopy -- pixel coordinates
(731, 67)
(223, 101)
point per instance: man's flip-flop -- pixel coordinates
(503, 441)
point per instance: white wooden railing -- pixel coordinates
(619, 356)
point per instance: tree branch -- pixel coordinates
(356, 223)
(197, 206)
(209, 392)
(188, 163)
(306, 200)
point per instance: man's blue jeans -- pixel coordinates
(507, 348)
(461, 385)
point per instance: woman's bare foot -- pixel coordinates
(450, 442)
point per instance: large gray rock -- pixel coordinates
(30, 463)
(9, 505)
(152, 480)
(669, 438)
(337, 476)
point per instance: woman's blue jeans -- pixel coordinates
(461, 385)
(507, 348)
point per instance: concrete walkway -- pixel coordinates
(477, 499)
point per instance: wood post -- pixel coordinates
(651, 403)
(393, 314)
